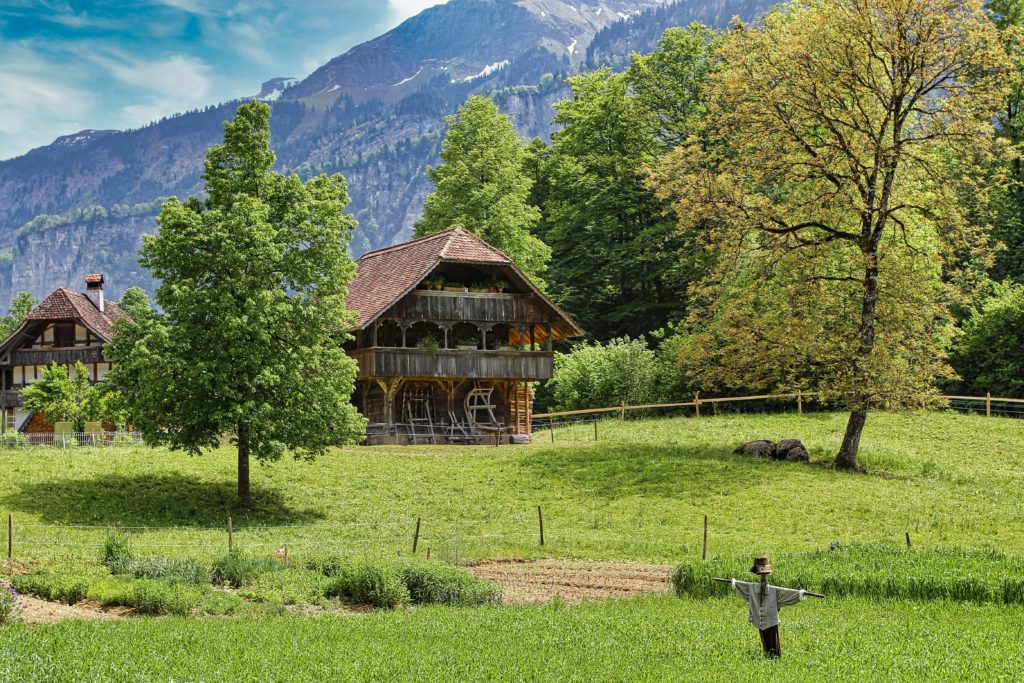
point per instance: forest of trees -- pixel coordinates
(822, 200)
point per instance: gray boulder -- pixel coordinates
(761, 449)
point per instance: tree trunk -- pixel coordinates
(846, 459)
(244, 492)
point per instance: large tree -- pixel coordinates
(253, 285)
(481, 185)
(837, 127)
(21, 306)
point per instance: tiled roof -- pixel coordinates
(67, 304)
(385, 275)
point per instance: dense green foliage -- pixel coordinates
(21, 306)
(253, 285)
(63, 398)
(480, 185)
(621, 372)
(135, 302)
(989, 355)
(652, 638)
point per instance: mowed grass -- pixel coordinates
(652, 638)
(640, 492)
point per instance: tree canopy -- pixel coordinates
(253, 281)
(481, 186)
(825, 179)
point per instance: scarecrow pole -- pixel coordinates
(765, 601)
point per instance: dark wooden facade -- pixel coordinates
(427, 354)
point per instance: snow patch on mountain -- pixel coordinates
(486, 71)
(406, 80)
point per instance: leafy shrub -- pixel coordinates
(66, 588)
(368, 582)
(237, 569)
(13, 440)
(145, 595)
(292, 586)
(435, 583)
(602, 375)
(989, 355)
(385, 582)
(11, 604)
(156, 567)
(117, 551)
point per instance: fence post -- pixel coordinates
(231, 535)
(908, 538)
(540, 519)
(988, 404)
(416, 536)
(704, 552)
(799, 403)
(595, 429)
(551, 428)
(696, 403)
(10, 536)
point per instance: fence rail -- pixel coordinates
(991, 405)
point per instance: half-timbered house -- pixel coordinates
(450, 335)
(66, 327)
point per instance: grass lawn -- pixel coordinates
(651, 638)
(638, 493)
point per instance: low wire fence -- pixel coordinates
(69, 439)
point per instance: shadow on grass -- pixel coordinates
(151, 500)
(619, 470)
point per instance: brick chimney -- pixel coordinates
(94, 289)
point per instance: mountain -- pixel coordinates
(374, 114)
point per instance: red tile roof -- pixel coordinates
(386, 275)
(67, 304)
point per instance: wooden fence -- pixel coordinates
(988, 400)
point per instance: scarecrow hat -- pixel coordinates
(761, 565)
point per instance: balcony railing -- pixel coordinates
(88, 354)
(477, 364)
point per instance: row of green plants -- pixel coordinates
(873, 571)
(239, 582)
(438, 283)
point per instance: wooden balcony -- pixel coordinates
(469, 307)
(453, 363)
(66, 356)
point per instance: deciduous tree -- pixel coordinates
(253, 285)
(837, 130)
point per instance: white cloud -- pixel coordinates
(180, 76)
(37, 97)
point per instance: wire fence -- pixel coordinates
(69, 439)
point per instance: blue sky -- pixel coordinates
(68, 65)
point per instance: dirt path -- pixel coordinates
(574, 580)
(46, 612)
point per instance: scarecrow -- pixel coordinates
(765, 600)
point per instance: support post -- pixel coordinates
(10, 536)
(231, 535)
(907, 533)
(988, 404)
(622, 411)
(595, 429)
(799, 403)
(704, 551)
(416, 536)
(540, 519)
(551, 429)
(696, 403)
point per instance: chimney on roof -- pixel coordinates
(94, 289)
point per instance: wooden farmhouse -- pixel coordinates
(66, 327)
(449, 336)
